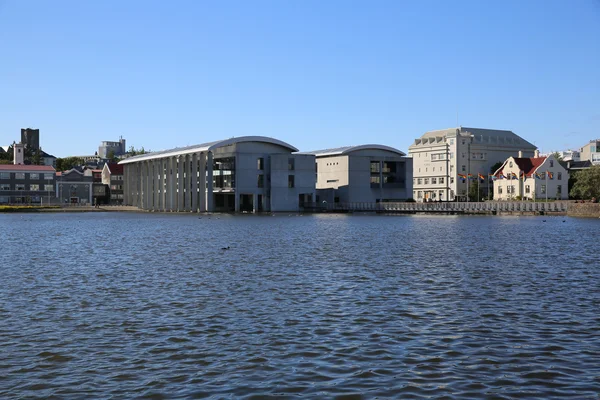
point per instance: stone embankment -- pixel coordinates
(590, 210)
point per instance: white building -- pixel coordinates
(591, 152)
(248, 173)
(531, 179)
(369, 173)
(441, 157)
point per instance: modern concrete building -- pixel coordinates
(591, 152)
(531, 179)
(116, 148)
(248, 173)
(26, 184)
(369, 173)
(112, 175)
(441, 157)
(31, 138)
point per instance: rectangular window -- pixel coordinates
(434, 157)
(290, 181)
(4, 186)
(434, 181)
(527, 189)
(451, 155)
(512, 189)
(427, 181)
(463, 168)
(48, 176)
(543, 189)
(261, 181)
(551, 163)
(20, 175)
(4, 175)
(558, 190)
(20, 186)
(375, 166)
(419, 181)
(451, 179)
(34, 177)
(35, 188)
(559, 176)
(261, 164)
(441, 180)
(499, 189)
(291, 164)
(49, 188)
(375, 179)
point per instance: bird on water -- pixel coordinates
(225, 248)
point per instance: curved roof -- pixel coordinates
(178, 151)
(338, 151)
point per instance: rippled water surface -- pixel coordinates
(127, 305)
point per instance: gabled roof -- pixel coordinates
(349, 149)
(528, 165)
(26, 168)
(207, 147)
(114, 168)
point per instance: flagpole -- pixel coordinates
(546, 186)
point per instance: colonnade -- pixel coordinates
(174, 183)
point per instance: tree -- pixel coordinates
(136, 152)
(111, 156)
(587, 184)
(65, 164)
(476, 190)
(495, 167)
(557, 156)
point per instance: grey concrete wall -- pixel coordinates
(284, 198)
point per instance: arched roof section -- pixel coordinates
(350, 149)
(209, 146)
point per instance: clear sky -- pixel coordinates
(316, 74)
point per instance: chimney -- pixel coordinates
(536, 153)
(520, 153)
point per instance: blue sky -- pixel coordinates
(316, 74)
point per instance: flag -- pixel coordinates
(501, 176)
(538, 176)
(470, 176)
(550, 174)
(522, 173)
(481, 177)
(461, 176)
(514, 176)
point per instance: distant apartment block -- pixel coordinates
(112, 175)
(116, 148)
(442, 157)
(591, 152)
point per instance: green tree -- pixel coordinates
(136, 152)
(587, 184)
(111, 156)
(67, 163)
(8, 155)
(495, 167)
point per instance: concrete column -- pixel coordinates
(202, 182)
(254, 203)
(209, 187)
(236, 201)
(156, 184)
(163, 184)
(170, 179)
(146, 185)
(136, 181)
(180, 183)
(187, 174)
(194, 182)
(125, 184)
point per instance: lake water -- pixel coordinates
(132, 305)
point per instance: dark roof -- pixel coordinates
(115, 169)
(528, 165)
(579, 164)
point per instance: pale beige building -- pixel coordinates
(440, 157)
(536, 178)
(591, 152)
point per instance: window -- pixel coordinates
(427, 181)
(291, 180)
(510, 164)
(34, 177)
(527, 189)
(441, 180)
(451, 155)
(35, 188)
(558, 191)
(434, 181)
(5, 186)
(499, 189)
(462, 155)
(375, 179)
(559, 176)
(291, 165)
(551, 163)
(451, 141)
(261, 180)
(419, 181)
(375, 167)
(5, 175)
(19, 186)
(20, 175)
(543, 189)
(48, 176)
(420, 195)
(261, 164)
(451, 179)
(463, 168)
(512, 189)
(48, 188)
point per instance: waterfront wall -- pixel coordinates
(584, 210)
